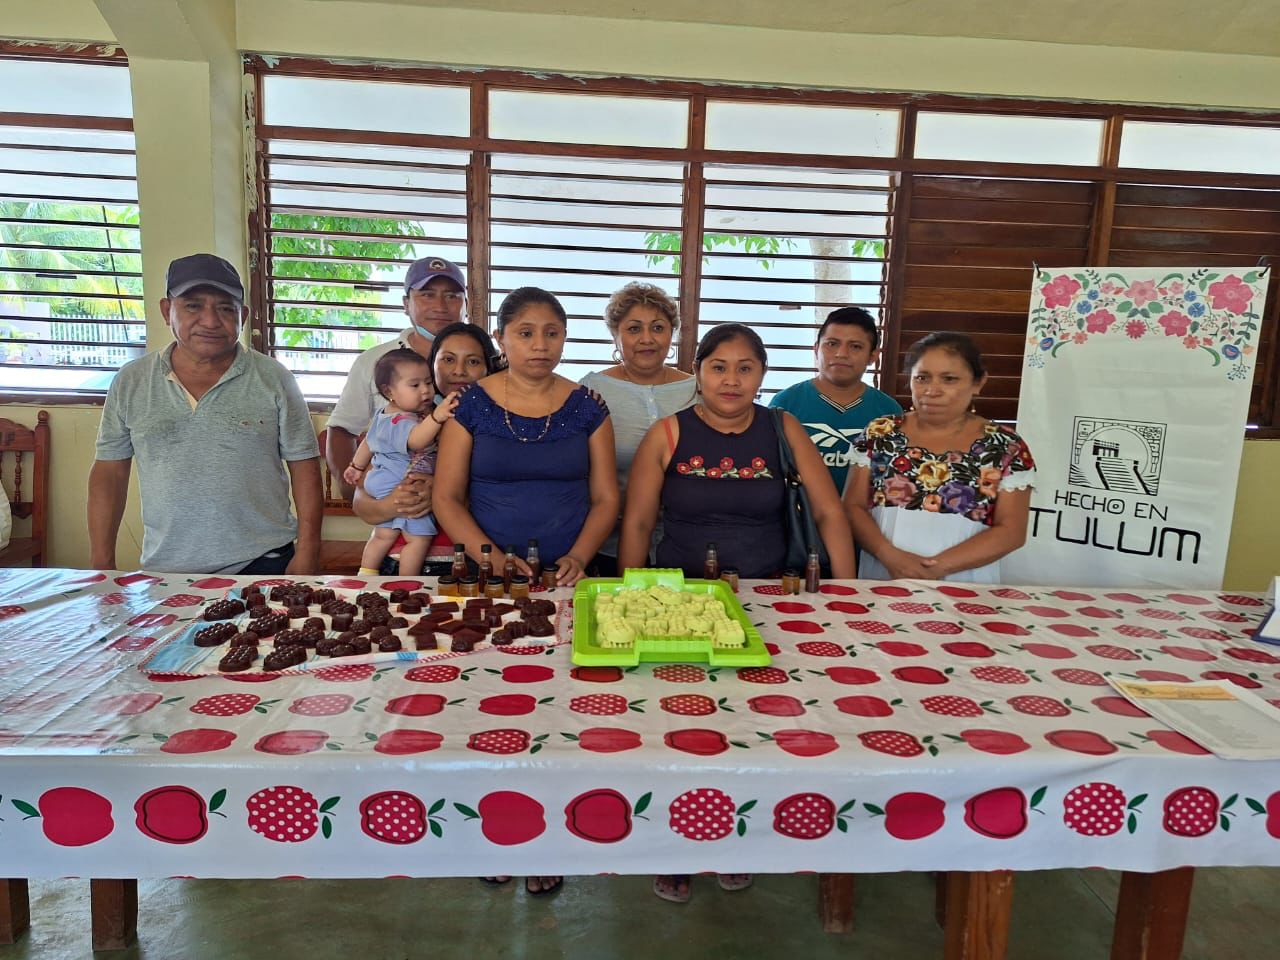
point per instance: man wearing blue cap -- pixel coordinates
(434, 297)
(213, 427)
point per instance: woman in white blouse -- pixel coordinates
(641, 387)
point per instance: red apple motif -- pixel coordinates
(846, 606)
(891, 591)
(911, 816)
(1005, 628)
(1162, 676)
(806, 743)
(1081, 741)
(788, 606)
(508, 818)
(595, 674)
(198, 740)
(699, 742)
(1048, 651)
(397, 817)
(153, 620)
(527, 673)
(1272, 809)
(864, 706)
(776, 705)
(1098, 613)
(129, 579)
(410, 585)
(1175, 742)
(1250, 655)
(416, 705)
(1240, 601)
(292, 742)
(1119, 706)
(1046, 612)
(1071, 595)
(601, 816)
(214, 583)
(132, 643)
(968, 648)
(1196, 654)
(926, 675)
(852, 676)
(1224, 616)
(1190, 599)
(959, 592)
(817, 648)
(174, 814)
(900, 648)
(508, 705)
(398, 743)
(1073, 630)
(1125, 597)
(347, 583)
(127, 704)
(1084, 678)
(92, 578)
(608, 739)
(800, 626)
(1000, 813)
(999, 742)
(182, 600)
(73, 816)
(837, 590)
(1239, 679)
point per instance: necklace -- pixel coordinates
(506, 414)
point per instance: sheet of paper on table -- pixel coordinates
(1230, 722)
(1269, 631)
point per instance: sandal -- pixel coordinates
(495, 881)
(673, 887)
(734, 882)
(542, 891)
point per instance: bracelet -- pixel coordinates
(432, 415)
(357, 469)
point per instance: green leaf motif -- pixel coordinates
(643, 804)
(1255, 806)
(874, 810)
(1136, 802)
(842, 826)
(435, 807)
(329, 804)
(466, 811)
(435, 828)
(1132, 824)
(25, 808)
(216, 800)
(326, 828)
(742, 828)
(847, 807)
(1038, 796)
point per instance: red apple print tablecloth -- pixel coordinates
(913, 726)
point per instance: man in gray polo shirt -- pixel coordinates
(209, 423)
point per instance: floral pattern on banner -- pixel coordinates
(1218, 312)
(961, 482)
(726, 470)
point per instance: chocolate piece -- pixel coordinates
(311, 636)
(252, 590)
(500, 638)
(379, 633)
(517, 629)
(451, 627)
(449, 608)
(342, 621)
(397, 623)
(399, 595)
(479, 602)
(314, 623)
(411, 606)
(268, 625)
(214, 636)
(420, 597)
(238, 658)
(378, 616)
(473, 617)
(492, 620)
(286, 637)
(541, 608)
(426, 641)
(438, 617)
(248, 638)
(323, 595)
(361, 645)
(390, 644)
(298, 612)
(461, 644)
(421, 628)
(522, 603)
(361, 626)
(472, 636)
(540, 627)
(341, 650)
(258, 609)
(224, 609)
(282, 658)
(502, 609)
(366, 600)
(325, 646)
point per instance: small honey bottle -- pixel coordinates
(535, 565)
(486, 565)
(509, 569)
(459, 561)
(711, 563)
(812, 572)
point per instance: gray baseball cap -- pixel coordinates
(421, 272)
(202, 270)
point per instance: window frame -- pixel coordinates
(90, 53)
(903, 167)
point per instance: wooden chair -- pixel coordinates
(336, 556)
(20, 441)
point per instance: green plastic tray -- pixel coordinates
(587, 652)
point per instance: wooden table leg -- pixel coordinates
(1151, 915)
(15, 910)
(978, 906)
(835, 902)
(940, 899)
(115, 913)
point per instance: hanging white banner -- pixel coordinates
(1135, 391)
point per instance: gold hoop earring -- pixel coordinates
(617, 356)
(672, 352)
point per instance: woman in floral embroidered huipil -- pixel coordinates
(939, 493)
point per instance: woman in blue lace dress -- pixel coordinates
(529, 454)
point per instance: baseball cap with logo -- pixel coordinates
(421, 272)
(202, 270)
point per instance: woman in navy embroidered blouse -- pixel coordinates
(529, 454)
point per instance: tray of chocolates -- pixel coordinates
(297, 627)
(657, 615)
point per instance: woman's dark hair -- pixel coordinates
(384, 370)
(721, 333)
(522, 297)
(492, 359)
(954, 343)
(853, 317)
